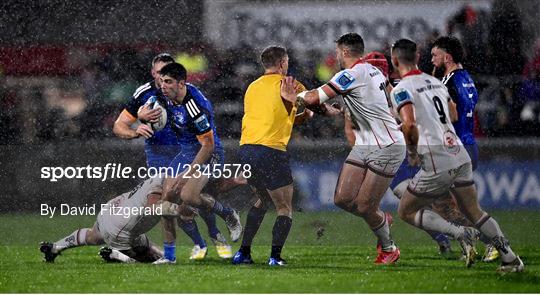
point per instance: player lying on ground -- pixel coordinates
(124, 233)
(421, 101)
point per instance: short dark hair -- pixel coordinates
(174, 70)
(353, 42)
(452, 46)
(272, 55)
(405, 51)
(162, 57)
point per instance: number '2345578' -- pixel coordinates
(217, 170)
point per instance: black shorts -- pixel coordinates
(270, 168)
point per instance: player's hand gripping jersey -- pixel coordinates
(439, 147)
(363, 90)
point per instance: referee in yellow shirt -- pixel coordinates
(266, 130)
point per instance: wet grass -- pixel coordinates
(338, 261)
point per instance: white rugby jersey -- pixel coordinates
(130, 226)
(438, 145)
(363, 90)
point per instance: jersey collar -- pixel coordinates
(357, 62)
(412, 73)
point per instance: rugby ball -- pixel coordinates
(162, 121)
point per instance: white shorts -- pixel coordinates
(382, 161)
(119, 240)
(429, 185)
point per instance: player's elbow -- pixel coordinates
(116, 128)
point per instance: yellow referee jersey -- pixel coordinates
(268, 119)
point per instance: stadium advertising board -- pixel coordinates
(499, 185)
(316, 26)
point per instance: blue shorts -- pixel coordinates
(270, 168)
(182, 162)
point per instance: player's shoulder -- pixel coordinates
(195, 101)
(403, 91)
(144, 90)
(195, 94)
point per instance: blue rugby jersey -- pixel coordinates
(194, 116)
(463, 92)
(162, 147)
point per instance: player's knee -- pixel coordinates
(285, 211)
(342, 202)
(284, 208)
(365, 207)
(189, 197)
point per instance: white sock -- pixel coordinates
(77, 238)
(383, 233)
(429, 220)
(115, 254)
(490, 228)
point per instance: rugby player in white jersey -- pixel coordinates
(379, 148)
(422, 103)
(121, 225)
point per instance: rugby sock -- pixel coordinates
(169, 251)
(281, 229)
(438, 237)
(429, 220)
(191, 229)
(383, 234)
(77, 238)
(210, 220)
(221, 210)
(489, 227)
(253, 222)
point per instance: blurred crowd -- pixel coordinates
(86, 104)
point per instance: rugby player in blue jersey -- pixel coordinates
(160, 148)
(192, 119)
(447, 54)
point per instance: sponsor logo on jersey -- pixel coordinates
(202, 123)
(451, 144)
(345, 80)
(401, 96)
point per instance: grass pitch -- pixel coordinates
(339, 261)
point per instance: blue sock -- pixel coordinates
(439, 237)
(222, 211)
(191, 229)
(210, 220)
(169, 250)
